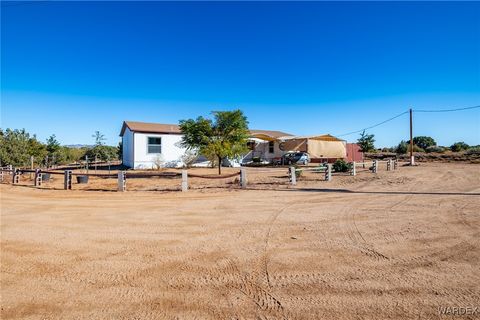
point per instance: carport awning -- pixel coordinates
(323, 137)
(263, 137)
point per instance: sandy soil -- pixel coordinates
(396, 245)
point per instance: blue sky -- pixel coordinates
(71, 68)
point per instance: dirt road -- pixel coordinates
(399, 245)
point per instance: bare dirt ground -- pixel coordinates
(396, 245)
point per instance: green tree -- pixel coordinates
(54, 150)
(223, 137)
(366, 142)
(99, 138)
(459, 146)
(17, 146)
(100, 151)
(52, 144)
(424, 142)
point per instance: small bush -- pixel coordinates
(459, 146)
(474, 150)
(341, 166)
(435, 149)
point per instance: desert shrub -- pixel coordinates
(473, 150)
(459, 146)
(341, 166)
(102, 153)
(158, 162)
(435, 149)
(404, 147)
(256, 159)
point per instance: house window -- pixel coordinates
(271, 145)
(154, 145)
(251, 145)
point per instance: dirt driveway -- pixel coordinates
(398, 245)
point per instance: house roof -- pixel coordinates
(175, 129)
(268, 134)
(323, 137)
(150, 127)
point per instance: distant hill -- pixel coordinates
(78, 146)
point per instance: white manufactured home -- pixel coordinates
(149, 145)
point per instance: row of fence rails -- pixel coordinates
(267, 176)
(246, 176)
(391, 164)
(185, 182)
(7, 170)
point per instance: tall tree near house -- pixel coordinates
(366, 142)
(224, 136)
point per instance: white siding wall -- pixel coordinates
(127, 148)
(171, 151)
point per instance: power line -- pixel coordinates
(375, 125)
(447, 110)
(401, 114)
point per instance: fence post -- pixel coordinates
(38, 178)
(122, 181)
(1, 175)
(184, 180)
(354, 169)
(293, 176)
(395, 164)
(243, 178)
(389, 164)
(31, 166)
(328, 172)
(67, 180)
(15, 175)
(375, 166)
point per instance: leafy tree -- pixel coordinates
(224, 136)
(17, 146)
(424, 142)
(459, 146)
(404, 147)
(366, 142)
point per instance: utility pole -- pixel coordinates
(412, 159)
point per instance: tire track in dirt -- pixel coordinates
(270, 222)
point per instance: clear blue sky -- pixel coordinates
(305, 68)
